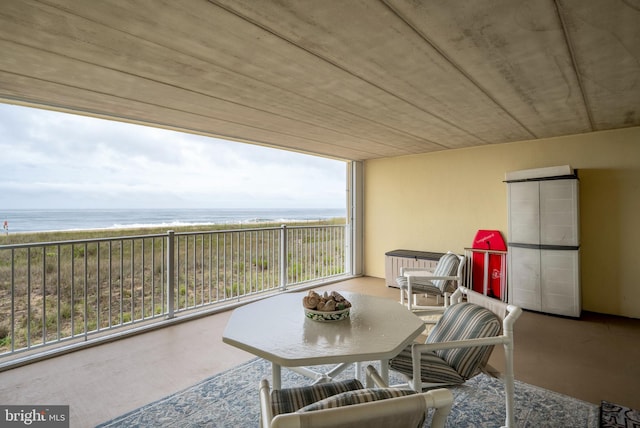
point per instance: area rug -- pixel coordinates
(230, 399)
(616, 416)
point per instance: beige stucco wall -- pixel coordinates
(437, 201)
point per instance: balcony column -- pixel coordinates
(170, 273)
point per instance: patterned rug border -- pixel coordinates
(221, 401)
(617, 416)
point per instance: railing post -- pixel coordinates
(283, 256)
(170, 273)
(346, 245)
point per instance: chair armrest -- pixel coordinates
(456, 297)
(405, 269)
(418, 275)
(373, 378)
(429, 310)
(421, 348)
(396, 411)
(512, 316)
(266, 414)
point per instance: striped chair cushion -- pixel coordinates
(460, 322)
(357, 397)
(447, 266)
(292, 399)
(453, 366)
(433, 368)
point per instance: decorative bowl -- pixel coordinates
(327, 316)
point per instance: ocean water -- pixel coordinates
(71, 219)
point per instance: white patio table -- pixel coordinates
(277, 330)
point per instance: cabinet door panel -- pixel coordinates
(559, 212)
(559, 282)
(524, 212)
(524, 278)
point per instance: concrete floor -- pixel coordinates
(594, 358)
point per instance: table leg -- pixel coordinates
(276, 372)
(336, 371)
(321, 377)
(311, 374)
(384, 370)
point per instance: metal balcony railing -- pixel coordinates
(55, 292)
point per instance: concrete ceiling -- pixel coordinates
(349, 79)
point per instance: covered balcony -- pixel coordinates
(429, 104)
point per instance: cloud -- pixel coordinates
(57, 160)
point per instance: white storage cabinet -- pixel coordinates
(544, 243)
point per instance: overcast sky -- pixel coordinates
(56, 160)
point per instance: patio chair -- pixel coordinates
(347, 404)
(445, 278)
(460, 344)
